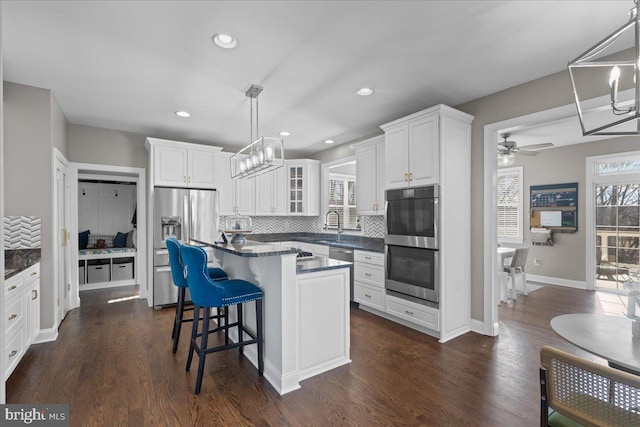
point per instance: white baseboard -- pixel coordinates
(477, 326)
(46, 335)
(577, 284)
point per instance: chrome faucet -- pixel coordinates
(326, 223)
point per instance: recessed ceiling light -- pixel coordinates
(225, 41)
(182, 114)
(284, 133)
(365, 91)
(328, 141)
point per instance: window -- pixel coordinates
(342, 199)
(510, 203)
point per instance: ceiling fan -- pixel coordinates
(507, 147)
(507, 150)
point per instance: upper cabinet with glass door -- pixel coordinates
(303, 187)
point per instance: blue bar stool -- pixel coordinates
(177, 273)
(207, 293)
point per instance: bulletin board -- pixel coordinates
(555, 207)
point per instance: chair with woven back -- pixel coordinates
(578, 392)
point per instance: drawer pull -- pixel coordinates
(367, 257)
(409, 312)
(367, 295)
(13, 316)
(34, 273)
(12, 287)
(34, 294)
(367, 274)
(13, 353)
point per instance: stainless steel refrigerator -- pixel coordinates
(189, 215)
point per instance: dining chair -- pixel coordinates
(578, 392)
(516, 267)
(177, 274)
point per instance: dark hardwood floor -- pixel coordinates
(112, 363)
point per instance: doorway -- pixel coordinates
(62, 254)
(87, 171)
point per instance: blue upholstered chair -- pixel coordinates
(207, 294)
(177, 273)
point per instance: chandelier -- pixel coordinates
(263, 154)
(606, 82)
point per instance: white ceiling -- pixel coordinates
(131, 65)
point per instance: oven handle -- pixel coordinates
(386, 208)
(436, 221)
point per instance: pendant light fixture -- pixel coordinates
(263, 154)
(606, 82)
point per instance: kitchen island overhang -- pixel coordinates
(306, 309)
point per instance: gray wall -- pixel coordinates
(59, 127)
(88, 144)
(29, 137)
(567, 258)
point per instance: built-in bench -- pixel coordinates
(105, 267)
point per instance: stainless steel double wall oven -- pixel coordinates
(411, 243)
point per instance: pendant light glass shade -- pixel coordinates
(505, 160)
(606, 82)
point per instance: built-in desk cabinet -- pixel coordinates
(22, 308)
(180, 164)
(370, 167)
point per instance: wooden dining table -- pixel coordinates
(608, 337)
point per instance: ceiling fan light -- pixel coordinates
(505, 160)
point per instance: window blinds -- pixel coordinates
(510, 203)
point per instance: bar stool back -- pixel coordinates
(177, 273)
(207, 294)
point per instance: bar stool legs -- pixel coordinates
(202, 350)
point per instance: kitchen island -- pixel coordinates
(306, 309)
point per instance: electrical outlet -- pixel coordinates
(537, 261)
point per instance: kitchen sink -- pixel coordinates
(336, 243)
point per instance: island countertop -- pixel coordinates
(319, 263)
(253, 249)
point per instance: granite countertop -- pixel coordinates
(253, 249)
(17, 260)
(346, 241)
(319, 263)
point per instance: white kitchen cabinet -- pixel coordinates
(22, 308)
(31, 301)
(433, 146)
(180, 164)
(368, 279)
(412, 150)
(303, 187)
(370, 176)
(271, 193)
(236, 196)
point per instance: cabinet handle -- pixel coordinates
(184, 178)
(406, 177)
(367, 257)
(409, 312)
(12, 287)
(34, 294)
(13, 353)
(34, 273)
(189, 182)
(13, 316)
(367, 295)
(410, 176)
(367, 274)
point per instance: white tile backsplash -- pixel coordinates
(22, 232)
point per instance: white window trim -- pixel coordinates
(345, 178)
(519, 239)
(594, 179)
